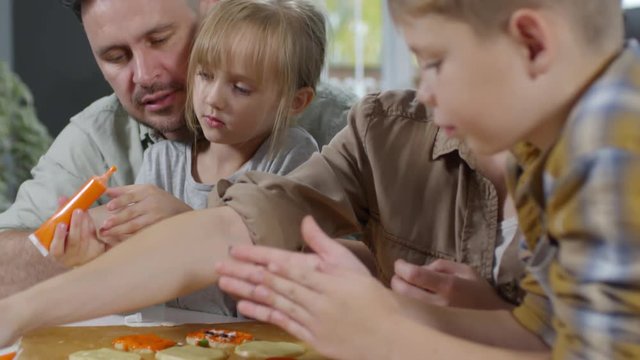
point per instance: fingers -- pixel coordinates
(125, 195)
(334, 255)
(237, 287)
(452, 268)
(262, 255)
(240, 270)
(319, 241)
(266, 314)
(123, 227)
(59, 238)
(404, 288)
(74, 239)
(421, 276)
(277, 293)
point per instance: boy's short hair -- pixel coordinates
(599, 21)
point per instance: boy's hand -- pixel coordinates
(79, 245)
(321, 298)
(241, 274)
(445, 283)
(135, 207)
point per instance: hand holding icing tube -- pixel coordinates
(83, 199)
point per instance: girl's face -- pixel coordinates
(231, 107)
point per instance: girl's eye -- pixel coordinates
(205, 75)
(242, 89)
(158, 41)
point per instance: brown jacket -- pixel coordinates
(390, 175)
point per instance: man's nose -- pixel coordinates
(146, 69)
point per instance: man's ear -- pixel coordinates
(301, 99)
(533, 32)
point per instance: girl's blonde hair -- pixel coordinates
(599, 22)
(281, 41)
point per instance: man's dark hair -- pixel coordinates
(75, 6)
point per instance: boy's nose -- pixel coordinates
(426, 96)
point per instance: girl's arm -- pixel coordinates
(164, 261)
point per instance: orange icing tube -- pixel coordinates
(83, 199)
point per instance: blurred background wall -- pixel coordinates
(45, 44)
(49, 51)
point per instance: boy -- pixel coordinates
(553, 81)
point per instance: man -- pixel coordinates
(142, 48)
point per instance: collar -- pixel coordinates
(148, 136)
(444, 145)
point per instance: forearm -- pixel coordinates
(21, 265)
(495, 328)
(414, 341)
(162, 262)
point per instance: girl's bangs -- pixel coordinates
(239, 48)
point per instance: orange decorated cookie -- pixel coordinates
(142, 343)
(218, 338)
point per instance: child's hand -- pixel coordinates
(79, 245)
(135, 207)
(309, 295)
(445, 283)
(241, 274)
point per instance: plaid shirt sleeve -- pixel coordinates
(595, 279)
(591, 185)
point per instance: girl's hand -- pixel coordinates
(135, 207)
(446, 283)
(79, 245)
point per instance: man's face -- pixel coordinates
(142, 48)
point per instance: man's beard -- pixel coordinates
(163, 126)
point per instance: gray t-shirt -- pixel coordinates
(167, 164)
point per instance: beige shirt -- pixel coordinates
(390, 175)
(100, 136)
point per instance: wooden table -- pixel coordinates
(58, 342)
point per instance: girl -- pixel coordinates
(253, 67)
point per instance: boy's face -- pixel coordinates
(476, 87)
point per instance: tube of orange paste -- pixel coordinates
(83, 199)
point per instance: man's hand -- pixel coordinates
(79, 245)
(446, 283)
(135, 207)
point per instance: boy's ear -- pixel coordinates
(534, 33)
(301, 99)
